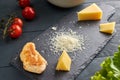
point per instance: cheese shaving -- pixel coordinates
(66, 40)
(54, 28)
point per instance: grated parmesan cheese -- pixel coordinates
(66, 40)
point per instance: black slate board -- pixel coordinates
(90, 70)
(94, 42)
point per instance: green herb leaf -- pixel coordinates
(110, 68)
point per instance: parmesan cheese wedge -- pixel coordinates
(107, 27)
(92, 12)
(64, 62)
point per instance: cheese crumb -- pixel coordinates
(66, 40)
(54, 28)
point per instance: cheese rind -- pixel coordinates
(107, 27)
(64, 62)
(92, 12)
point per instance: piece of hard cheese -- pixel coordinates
(107, 27)
(64, 62)
(92, 12)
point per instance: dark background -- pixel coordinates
(48, 15)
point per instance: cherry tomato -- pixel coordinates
(18, 21)
(15, 31)
(24, 3)
(28, 13)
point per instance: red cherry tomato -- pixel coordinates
(24, 3)
(18, 21)
(28, 13)
(15, 31)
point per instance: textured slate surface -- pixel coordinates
(108, 50)
(91, 69)
(94, 42)
(10, 73)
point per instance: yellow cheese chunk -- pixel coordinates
(64, 62)
(92, 12)
(107, 27)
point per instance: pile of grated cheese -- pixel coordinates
(66, 40)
